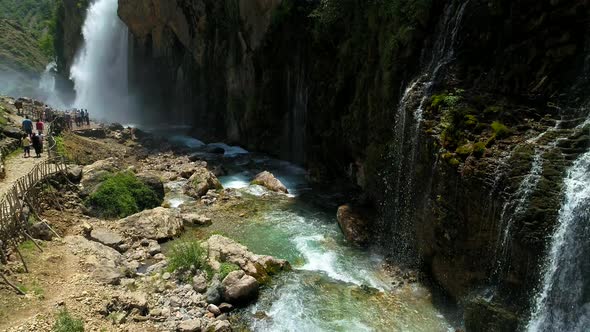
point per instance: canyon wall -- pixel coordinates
(440, 111)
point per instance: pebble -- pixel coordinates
(166, 276)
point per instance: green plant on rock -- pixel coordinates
(227, 268)
(66, 323)
(187, 255)
(121, 195)
(500, 130)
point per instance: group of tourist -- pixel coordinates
(32, 138)
(78, 116)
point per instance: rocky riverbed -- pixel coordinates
(267, 252)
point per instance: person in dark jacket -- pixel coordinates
(36, 139)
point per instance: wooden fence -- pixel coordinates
(23, 199)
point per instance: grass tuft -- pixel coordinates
(66, 323)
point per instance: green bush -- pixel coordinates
(500, 130)
(227, 268)
(121, 195)
(66, 323)
(186, 255)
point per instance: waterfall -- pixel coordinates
(100, 70)
(47, 87)
(401, 178)
(563, 303)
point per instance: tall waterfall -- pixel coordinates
(400, 178)
(100, 69)
(564, 301)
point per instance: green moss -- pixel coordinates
(227, 268)
(67, 323)
(184, 256)
(121, 195)
(454, 162)
(479, 149)
(465, 150)
(500, 130)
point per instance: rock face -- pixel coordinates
(239, 288)
(353, 225)
(156, 224)
(268, 180)
(222, 249)
(201, 182)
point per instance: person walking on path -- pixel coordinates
(87, 118)
(28, 126)
(40, 126)
(26, 143)
(37, 145)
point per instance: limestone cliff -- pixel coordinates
(436, 109)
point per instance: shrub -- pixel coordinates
(187, 255)
(121, 195)
(500, 130)
(66, 323)
(227, 268)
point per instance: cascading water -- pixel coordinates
(47, 89)
(100, 71)
(400, 181)
(564, 301)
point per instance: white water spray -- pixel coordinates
(47, 89)
(564, 303)
(100, 69)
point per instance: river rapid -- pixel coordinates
(333, 286)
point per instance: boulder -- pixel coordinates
(192, 325)
(105, 264)
(154, 182)
(12, 132)
(270, 182)
(156, 224)
(212, 308)
(353, 225)
(195, 219)
(214, 292)
(74, 173)
(106, 237)
(116, 126)
(239, 288)
(200, 283)
(201, 182)
(219, 326)
(41, 231)
(93, 175)
(223, 249)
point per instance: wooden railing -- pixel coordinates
(22, 200)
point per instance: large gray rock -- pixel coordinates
(153, 181)
(201, 182)
(270, 182)
(219, 326)
(214, 293)
(192, 325)
(222, 249)
(156, 224)
(106, 237)
(354, 227)
(40, 231)
(239, 288)
(104, 264)
(74, 173)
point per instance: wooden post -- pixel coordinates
(18, 290)
(20, 255)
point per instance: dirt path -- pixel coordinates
(16, 167)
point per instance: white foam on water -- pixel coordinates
(230, 151)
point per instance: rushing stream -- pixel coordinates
(333, 286)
